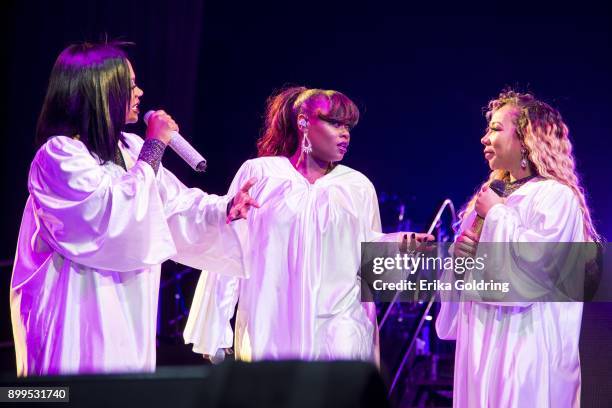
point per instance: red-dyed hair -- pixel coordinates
(280, 136)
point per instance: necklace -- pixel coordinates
(512, 186)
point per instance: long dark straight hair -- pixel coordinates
(88, 94)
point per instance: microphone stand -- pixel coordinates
(434, 224)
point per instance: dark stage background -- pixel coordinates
(420, 79)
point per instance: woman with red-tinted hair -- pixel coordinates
(300, 298)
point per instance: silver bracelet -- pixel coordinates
(152, 152)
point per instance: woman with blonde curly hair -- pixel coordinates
(516, 354)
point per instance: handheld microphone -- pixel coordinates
(183, 148)
(499, 187)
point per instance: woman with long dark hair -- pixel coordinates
(522, 352)
(300, 295)
(102, 215)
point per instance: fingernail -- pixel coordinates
(405, 237)
(413, 236)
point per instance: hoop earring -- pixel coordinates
(523, 158)
(306, 145)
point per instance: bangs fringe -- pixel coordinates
(342, 109)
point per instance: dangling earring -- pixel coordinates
(523, 158)
(306, 145)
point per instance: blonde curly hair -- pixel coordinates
(542, 131)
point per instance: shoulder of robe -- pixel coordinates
(61, 165)
(62, 148)
(266, 160)
(263, 165)
(554, 193)
(353, 176)
(555, 189)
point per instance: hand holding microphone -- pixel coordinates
(161, 126)
(487, 197)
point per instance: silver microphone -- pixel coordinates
(183, 148)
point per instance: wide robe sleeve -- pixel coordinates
(208, 325)
(534, 252)
(197, 223)
(94, 216)
(527, 248)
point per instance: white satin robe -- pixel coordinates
(300, 295)
(520, 354)
(86, 277)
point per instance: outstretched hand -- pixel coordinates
(419, 241)
(242, 202)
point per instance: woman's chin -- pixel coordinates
(133, 118)
(493, 165)
(339, 157)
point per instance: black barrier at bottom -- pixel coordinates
(231, 384)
